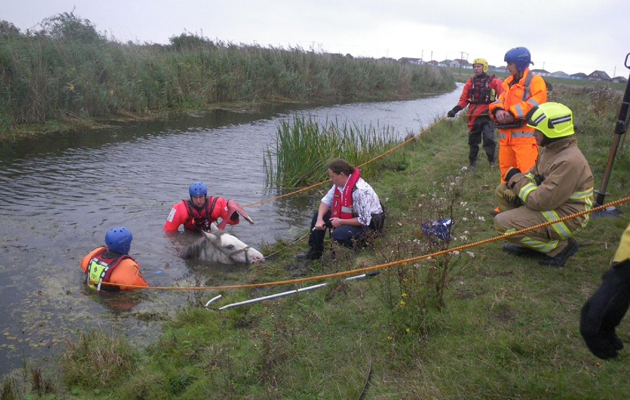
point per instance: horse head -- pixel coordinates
(221, 247)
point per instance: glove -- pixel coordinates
(454, 111)
(511, 172)
(604, 311)
(512, 198)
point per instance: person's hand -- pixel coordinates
(336, 222)
(510, 173)
(512, 198)
(320, 225)
(504, 117)
(604, 311)
(454, 111)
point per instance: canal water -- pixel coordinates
(61, 194)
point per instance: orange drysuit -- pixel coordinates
(517, 146)
(127, 272)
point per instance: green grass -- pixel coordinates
(504, 327)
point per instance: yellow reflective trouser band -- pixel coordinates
(526, 190)
(543, 247)
(561, 229)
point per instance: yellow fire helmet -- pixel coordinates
(483, 62)
(554, 120)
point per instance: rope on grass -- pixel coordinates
(383, 266)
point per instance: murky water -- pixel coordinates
(60, 195)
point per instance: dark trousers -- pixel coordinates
(482, 128)
(347, 235)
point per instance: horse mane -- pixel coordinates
(194, 250)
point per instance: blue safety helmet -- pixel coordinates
(198, 189)
(119, 240)
(520, 56)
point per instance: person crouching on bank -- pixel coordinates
(351, 209)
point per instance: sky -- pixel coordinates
(562, 35)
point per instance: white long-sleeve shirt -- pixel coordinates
(365, 201)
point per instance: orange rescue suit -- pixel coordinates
(127, 272)
(517, 146)
(210, 212)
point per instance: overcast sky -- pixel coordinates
(562, 35)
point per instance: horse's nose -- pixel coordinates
(258, 258)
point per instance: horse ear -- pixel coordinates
(210, 236)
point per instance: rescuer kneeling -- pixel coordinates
(558, 185)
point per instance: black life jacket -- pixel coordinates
(480, 91)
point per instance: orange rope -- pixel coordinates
(387, 265)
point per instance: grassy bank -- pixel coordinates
(67, 73)
(479, 324)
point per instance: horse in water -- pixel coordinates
(221, 247)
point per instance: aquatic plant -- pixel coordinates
(303, 147)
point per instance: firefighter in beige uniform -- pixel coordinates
(559, 184)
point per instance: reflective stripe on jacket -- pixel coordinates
(565, 185)
(518, 98)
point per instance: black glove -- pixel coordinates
(511, 172)
(454, 111)
(604, 311)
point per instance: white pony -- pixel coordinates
(219, 246)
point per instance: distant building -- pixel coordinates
(410, 60)
(559, 74)
(619, 79)
(598, 76)
(579, 76)
(540, 72)
(462, 63)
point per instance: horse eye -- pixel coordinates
(230, 247)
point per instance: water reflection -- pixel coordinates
(62, 193)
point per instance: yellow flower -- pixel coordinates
(404, 295)
(402, 303)
(390, 338)
(408, 330)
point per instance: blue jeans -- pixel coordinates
(347, 235)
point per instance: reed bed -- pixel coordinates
(303, 147)
(68, 70)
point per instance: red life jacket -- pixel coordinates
(342, 202)
(200, 219)
(100, 270)
(480, 92)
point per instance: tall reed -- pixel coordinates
(68, 70)
(303, 147)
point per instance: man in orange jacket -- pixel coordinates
(522, 92)
(480, 90)
(201, 211)
(111, 268)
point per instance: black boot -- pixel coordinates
(316, 242)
